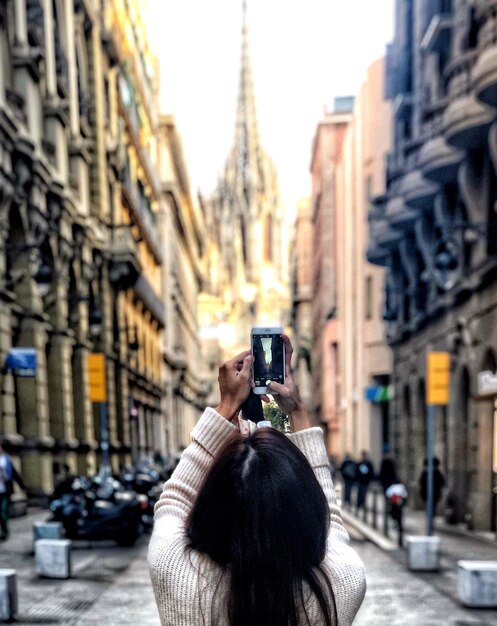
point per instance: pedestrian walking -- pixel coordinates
(348, 472)
(363, 476)
(247, 530)
(8, 476)
(438, 483)
(388, 471)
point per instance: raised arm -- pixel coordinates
(208, 437)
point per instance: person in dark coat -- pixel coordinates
(438, 483)
(363, 476)
(388, 471)
(347, 471)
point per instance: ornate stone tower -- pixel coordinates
(247, 259)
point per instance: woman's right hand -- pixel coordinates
(287, 396)
(234, 384)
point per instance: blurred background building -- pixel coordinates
(302, 296)
(247, 264)
(184, 243)
(435, 233)
(351, 363)
(86, 220)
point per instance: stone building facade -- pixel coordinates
(435, 233)
(81, 244)
(183, 227)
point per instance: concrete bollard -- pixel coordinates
(53, 558)
(423, 553)
(8, 594)
(477, 583)
(47, 530)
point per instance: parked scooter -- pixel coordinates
(100, 508)
(146, 481)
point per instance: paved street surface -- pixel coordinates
(111, 586)
(398, 597)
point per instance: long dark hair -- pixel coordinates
(262, 512)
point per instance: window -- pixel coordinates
(369, 297)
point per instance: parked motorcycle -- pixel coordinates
(100, 508)
(146, 481)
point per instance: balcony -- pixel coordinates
(125, 264)
(402, 106)
(439, 161)
(437, 35)
(377, 255)
(417, 191)
(150, 299)
(142, 214)
(129, 110)
(381, 239)
(485, 76)
(399, 215)
(466, 122)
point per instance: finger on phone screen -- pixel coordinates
(275, 387)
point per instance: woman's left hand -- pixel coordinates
(234, 384)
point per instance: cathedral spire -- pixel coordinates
(246, 153)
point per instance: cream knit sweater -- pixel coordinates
(185, 580)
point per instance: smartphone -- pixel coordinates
(268, 351)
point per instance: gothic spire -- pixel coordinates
(246, 155)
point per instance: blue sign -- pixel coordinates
(378, 393)
(21, 362)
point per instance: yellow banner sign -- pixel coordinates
(96, 377)
(437, 377)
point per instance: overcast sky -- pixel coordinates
(303, 52)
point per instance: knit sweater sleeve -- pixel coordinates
(180, 491)
(344, 566)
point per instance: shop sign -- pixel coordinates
(21, 362)
(378, 393)
(487, 383)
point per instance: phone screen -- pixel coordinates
(268, 359)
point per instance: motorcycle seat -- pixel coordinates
(103, 504)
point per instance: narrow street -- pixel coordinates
(111, 586)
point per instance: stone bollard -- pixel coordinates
(8, 594)
(46, 530)
(53, 558)
(477, 583)
(423, 553)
